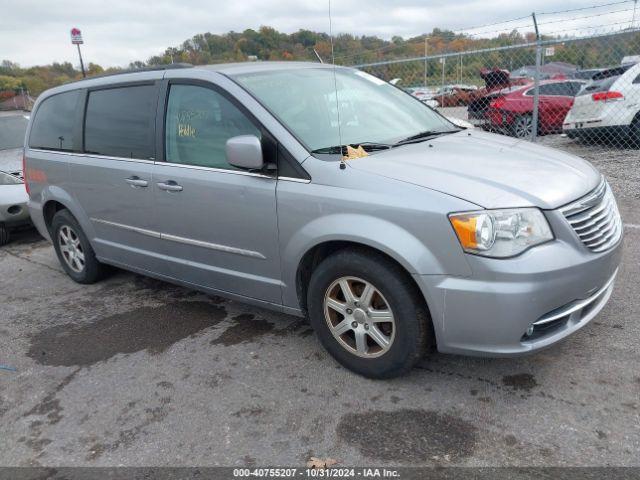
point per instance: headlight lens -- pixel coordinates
(7, 179)
(500, 233)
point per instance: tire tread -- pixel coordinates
(94, 270)
(402, 285)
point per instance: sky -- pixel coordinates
(117, 32)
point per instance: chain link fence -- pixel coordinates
(586, 88)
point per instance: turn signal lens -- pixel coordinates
(500, 233)
(475, 231)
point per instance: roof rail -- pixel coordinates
(153, 68)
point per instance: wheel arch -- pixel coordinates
(315, 255)
(49, 209)
(328, 233)
(54, 199)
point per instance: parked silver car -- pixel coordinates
(231, 179)
(14, 212)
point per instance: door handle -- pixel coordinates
(170, 186)
(136, 181)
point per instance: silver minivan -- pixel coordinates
(237, 180)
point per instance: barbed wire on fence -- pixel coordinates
(582, 81)
(505, 29)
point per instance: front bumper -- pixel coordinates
(13, 205)
(593, 132)
(557, 287)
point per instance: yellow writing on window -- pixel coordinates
(186, 130)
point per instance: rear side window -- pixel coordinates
(54, 123)
(595, 86)
(604, 80)
(576, 87)
(120, 122)
(199, 123)
(559, 89)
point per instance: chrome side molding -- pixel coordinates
(142, 231)
(184, 240)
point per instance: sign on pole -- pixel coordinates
(76, 36)
(76, 39)
(549, 51)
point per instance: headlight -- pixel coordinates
(500, 233)
(7, 179)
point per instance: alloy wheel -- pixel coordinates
(71, 248)
(359, 317)
(523, 126)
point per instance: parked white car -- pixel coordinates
(421, 93)
(608, 107)
(13, 196)
(459, 122)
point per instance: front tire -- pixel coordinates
(368, 314)
(74, 250)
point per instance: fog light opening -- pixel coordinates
(14, 209)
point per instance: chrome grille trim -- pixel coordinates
(595, 219)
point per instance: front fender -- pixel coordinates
(392, 239)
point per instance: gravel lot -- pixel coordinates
(132, 371)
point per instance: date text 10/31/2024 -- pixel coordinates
(333, 472)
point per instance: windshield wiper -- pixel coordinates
(342, 149)
(422, 136)
(375, 146)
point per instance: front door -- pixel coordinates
(218, 223)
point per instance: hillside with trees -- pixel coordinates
(266, 43)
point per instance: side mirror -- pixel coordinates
(245, 151)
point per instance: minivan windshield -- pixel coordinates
(371, 110)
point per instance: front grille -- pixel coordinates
(595, 219)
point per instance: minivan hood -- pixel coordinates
(492, 171)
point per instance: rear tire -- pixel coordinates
(381, 328)
(74, 250)
(5, 236)
(634, 133)
(522, 126)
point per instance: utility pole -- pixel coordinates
(76, 39)
(425, 60)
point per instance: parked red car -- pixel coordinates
(510, 111)
(497, 82)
